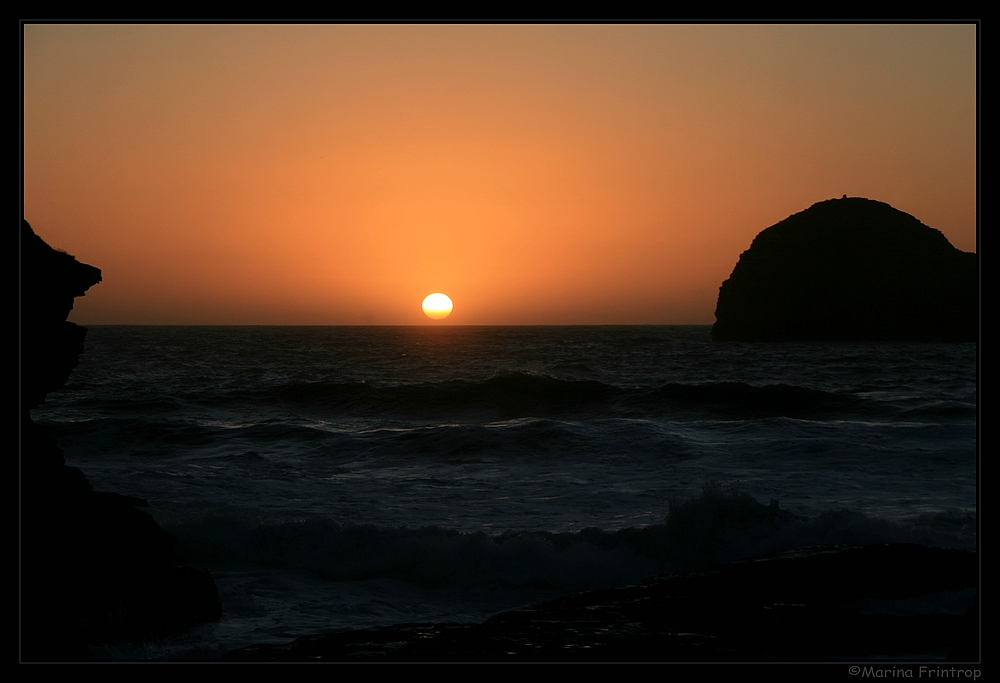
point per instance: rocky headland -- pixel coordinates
(94, 568)
(850, 269)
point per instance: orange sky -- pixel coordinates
(535, 174)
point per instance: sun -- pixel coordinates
(437, 306)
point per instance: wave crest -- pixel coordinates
(722, 524)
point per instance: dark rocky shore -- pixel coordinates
(850, 269)
(94, 568)
(813, 604)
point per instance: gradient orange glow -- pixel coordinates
(540, 174)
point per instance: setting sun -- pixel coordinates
(683, 255)
(437, 306)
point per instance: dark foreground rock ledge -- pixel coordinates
(850, 269)
(812, 604)
(94, 568)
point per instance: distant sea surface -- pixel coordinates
(347, 477)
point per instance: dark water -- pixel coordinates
(341, 477)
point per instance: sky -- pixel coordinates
(536, 174)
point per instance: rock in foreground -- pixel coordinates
(94, 568)
(811, 604)
(850, 269)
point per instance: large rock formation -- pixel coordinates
(94, 569)
(850, 269)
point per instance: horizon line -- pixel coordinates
(392, 325)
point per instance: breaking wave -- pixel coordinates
(722, 524)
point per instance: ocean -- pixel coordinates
(336, 478)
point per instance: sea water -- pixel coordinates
(345, 477)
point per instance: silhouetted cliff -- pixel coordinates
(94, 569)
(850, 269)
(50, 347)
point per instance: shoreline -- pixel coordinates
(821, 603)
